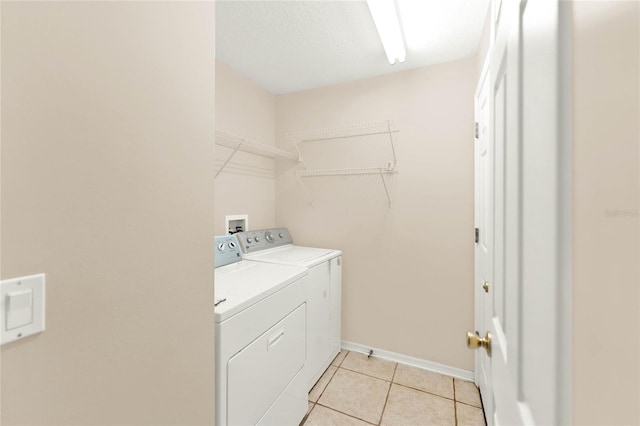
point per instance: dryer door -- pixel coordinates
(260, 372)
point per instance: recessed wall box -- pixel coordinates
(237, 223)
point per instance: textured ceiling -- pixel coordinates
(288, 46)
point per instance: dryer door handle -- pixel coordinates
(275, 339)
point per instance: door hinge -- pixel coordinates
(476, 130)
(477, 235)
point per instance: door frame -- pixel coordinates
(565, 216)
(558, 41)
(562, 186)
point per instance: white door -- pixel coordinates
(484, 229)
(527, 316)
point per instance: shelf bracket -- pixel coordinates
(305, 190)
(228, 159)
(393, 149)
(386, 189)
(300, 159)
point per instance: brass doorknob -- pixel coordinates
(474, 341)
(485, 286)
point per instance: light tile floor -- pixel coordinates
(361, 391)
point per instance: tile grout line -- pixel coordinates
(341, 361)
(306, 416)
(343, 358)
(330, 378)
(427, 392)
(384, 407)
(469, 405)
(327, 385)
(314, 403)
(368, 375)
(346, 414)
(325, 388)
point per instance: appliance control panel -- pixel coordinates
(227, 250)
(254, 241)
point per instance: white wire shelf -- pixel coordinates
(345, 132)
(344, 172)
(247, 145)
(380, 171)
(237, 143)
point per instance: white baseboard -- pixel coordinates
(409, 360)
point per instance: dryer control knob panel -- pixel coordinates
(253, 241)
(227, 250)
(269, 236)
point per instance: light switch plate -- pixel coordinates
(21, 307)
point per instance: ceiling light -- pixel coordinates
(386, 20)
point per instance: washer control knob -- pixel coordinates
(257, 239)
(249, 240)
(221, 246)
(232, 245)
(269, 236)
(281, 235)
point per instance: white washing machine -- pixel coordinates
(324, 291)
(260, 326)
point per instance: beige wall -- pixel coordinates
(485, 41)
(246, 185)
(408, 270)
(107, 180)
(606, 116)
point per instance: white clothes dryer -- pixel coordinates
(260, 327)
(324, 290)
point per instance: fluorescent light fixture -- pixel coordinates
(386, 20)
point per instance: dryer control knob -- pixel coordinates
(232, 245)
(221, 246)
(249, 240)
(257, 239)
(269, 236)
(280, 235)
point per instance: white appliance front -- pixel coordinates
(265, 367)
(260, 325)
(324, 290)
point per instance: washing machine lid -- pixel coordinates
(242, 284)
(294, 255)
